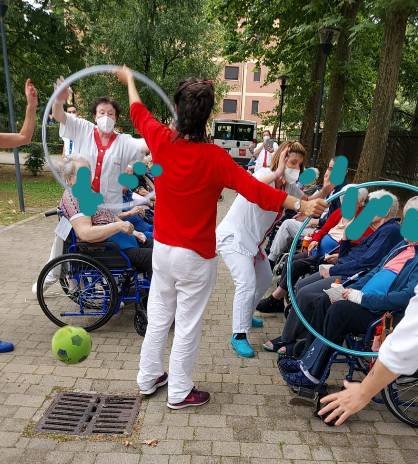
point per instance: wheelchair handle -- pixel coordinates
(51, 212)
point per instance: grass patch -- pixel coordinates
(40, 193)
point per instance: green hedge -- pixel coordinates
(36, 159)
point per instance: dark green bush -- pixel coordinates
(36, 160)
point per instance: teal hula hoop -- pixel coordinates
(289, 269)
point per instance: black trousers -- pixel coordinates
(302, 264)
(342, 318)
(141, 257)
(309, 294)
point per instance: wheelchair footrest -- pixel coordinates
(310, 393)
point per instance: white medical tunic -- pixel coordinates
(247, 223)
(123, 151)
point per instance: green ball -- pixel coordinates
(71, 345)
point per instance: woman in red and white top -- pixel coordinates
(264, 152)
(184, 259)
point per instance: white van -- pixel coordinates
(234, 136)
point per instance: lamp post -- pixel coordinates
(328, 36)
(12, 123)
(282, 80)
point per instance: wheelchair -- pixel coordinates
(91, 283)
(400, 397)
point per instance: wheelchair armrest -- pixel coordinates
(108, 253)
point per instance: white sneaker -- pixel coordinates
(47, 284)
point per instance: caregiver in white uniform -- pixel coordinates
(108, 152)
(240, 237)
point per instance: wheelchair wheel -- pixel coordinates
(84, 292)
(140, 320)
(401, 398)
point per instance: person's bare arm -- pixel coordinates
(257, 151)
(58, 112)
(26, 132)
(126, 77)
(86, 232)
(356, 396)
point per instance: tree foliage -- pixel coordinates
(282, 34)
(168, 41)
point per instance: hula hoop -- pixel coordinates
(289, 269)
(99, 69)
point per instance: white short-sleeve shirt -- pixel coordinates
(124, 150)
(247, 223)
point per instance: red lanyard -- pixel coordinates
(265, 159)
(101, 151)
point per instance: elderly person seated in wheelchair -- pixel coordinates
(330, 240)
(325, 242)
(104, 225)
(388, 287)
(351, 261)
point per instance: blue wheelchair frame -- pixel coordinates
(119, 273)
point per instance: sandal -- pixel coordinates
(273, 345)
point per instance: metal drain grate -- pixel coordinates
(90, 414)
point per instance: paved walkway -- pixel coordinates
(8, 158)
(250, 419)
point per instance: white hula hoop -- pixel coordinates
(99, 69)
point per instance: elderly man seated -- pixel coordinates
(388, 287)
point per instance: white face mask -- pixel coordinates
(266, 137)
(105, 124)
(291, 175)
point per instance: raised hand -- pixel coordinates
(64, 94)
(124, 74)
(31, 94)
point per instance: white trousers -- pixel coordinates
(56, 250)
(181, 284)
(284, 237)
(252, 278)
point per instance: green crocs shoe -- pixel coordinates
(242, 347)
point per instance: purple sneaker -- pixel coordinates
(160, 382)
(194, 398)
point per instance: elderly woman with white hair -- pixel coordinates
(352, 259)
(323, 248)
(387, 287)
(104, 225)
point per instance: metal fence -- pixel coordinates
(401, 157)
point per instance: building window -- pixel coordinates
(254, 107)
(231, 73)
(257, 75)
(229, 106)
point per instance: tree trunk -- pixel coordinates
(308, 122)
(334, 107)
(414, 127)
(374, 147)
(275, 127)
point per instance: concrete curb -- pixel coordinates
(23, 221)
